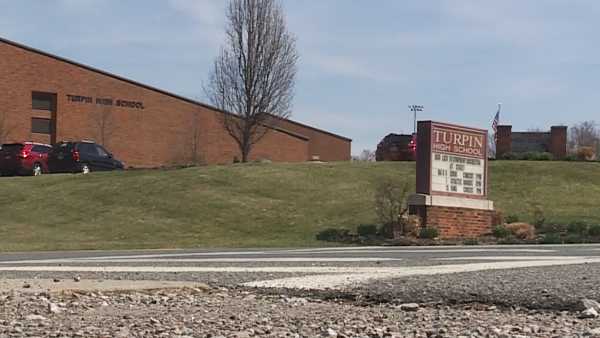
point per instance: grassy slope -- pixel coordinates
(249, 205)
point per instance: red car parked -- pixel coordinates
(27, 158)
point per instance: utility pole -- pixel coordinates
(415, 108)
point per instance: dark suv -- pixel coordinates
(27, 158)
(82, 157)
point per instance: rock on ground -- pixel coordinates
(222, 312)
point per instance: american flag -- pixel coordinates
(495, 123)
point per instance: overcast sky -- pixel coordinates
(362, 61)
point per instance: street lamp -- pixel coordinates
(415, 108)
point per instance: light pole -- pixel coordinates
(415, 108)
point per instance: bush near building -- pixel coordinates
(528, 156)
(572, 233)
(428, 233)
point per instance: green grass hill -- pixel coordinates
(253, 205)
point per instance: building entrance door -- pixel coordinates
(53, 126)
(43, 120)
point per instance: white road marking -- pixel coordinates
(432, 251)
(508, 258)
(213, 260)
(188, 254)
(360, 250)
(337, 281)
(331, 277)
(93, 258)
(343, 248)
(427, 248)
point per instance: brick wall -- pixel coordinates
(523, 142)
(292, 149)
(456, 222)
(163, 133)
(558, 141)
(322, 145)
(503, 140)
(554, 142)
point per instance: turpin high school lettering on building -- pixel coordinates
(105, 101)
(46, 98)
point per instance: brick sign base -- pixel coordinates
(454, 217)
(453, 222)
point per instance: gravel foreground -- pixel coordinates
(528, 302)
(222, 312)
(556, 288)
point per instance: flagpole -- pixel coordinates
(495, 124)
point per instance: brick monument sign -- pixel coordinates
(452, 180)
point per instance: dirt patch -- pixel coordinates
(56, 285)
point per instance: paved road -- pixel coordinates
(539, 277)
(410, 255)
(317, 268)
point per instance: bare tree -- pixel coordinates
(367, 156)
(254, 76)
(584, 134)
(102, 121)
(390, 204)
(194, 140)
